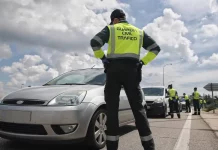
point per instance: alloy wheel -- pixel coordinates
(100, 128)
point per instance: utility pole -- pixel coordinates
(163, 71)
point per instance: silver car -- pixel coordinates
(70, 107)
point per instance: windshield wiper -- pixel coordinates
(95, 84)
(72, 84)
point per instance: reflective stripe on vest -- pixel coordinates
(125, 41)
(112, 138)
(196, 95)
(146, 138)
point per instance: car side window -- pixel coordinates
(99, 79)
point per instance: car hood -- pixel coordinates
(48, 92)
(152, 98)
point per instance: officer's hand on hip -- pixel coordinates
(139, 68)
(140, 64)
(105, 63)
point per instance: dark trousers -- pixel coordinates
(174, 106)
(188, 107)
(196, 104)
(125, 73)
(201, 106)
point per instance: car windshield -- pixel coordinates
(153, 91)
(80, 77)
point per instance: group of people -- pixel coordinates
(173, 101)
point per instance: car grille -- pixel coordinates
(149, 102)
(23, 128)
(25, 102)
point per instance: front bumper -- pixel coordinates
(183, 106)
(155, 108)
(37, 123)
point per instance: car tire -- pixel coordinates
(164, 112)
(96, 136)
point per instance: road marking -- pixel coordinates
(184, 137)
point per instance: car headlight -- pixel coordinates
(67, 99)
(159, 100)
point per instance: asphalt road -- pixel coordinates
(189, 132)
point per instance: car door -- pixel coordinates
(166, 99)
(125, 112)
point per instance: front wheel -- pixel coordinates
(96, 136)
(164, 112)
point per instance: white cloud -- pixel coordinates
(205, 38)
(193, 9)
(212, 60)
(214, 6)
(169, 33)
(29, 70)
(209, 30)
(5, 51)
(66, 25)
(64, 62)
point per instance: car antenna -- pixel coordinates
(93, 66)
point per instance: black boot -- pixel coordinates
(178, 115)
(172, 115)
(199, 113)
(195, 113)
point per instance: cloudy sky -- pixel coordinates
(40, 39)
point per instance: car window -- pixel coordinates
(70, 79)
(153, 91)
(86, 76)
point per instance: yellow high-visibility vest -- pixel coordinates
(196, 95)
(125, 41)
(172, 93)
(186, 97)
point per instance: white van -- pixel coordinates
(157, 100)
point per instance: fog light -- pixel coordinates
(68, 128)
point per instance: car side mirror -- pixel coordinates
(167, 96)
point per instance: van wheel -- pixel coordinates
(164, 112)
(96, 136)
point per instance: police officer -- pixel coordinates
(196, 98)
(187, 103)
(173, 101)
(205, 103)
(123, 68)
(201, 103)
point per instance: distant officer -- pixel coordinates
(173, 101)
(201, 103)
(187, 103)
(196, 98)
(205, 102)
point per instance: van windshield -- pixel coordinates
(153, 91)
